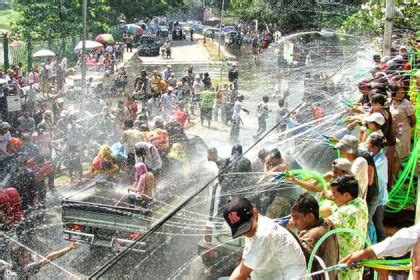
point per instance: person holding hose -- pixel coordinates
(402, 242)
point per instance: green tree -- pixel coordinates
(291, 15)
(145, 8)
(46, 19)
(371, 16)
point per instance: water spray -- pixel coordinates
(109, 264)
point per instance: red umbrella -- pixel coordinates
(105, 39)
(133, 29)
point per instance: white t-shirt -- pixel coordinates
(198, 86)
(109, 49)
(359, 168)
(237, 108)
(402, 242)
(273, 253)
(64, 63)
(31, 94)
(4, 139)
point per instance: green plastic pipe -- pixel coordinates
(331, 232)
(380, 262)
(309, 174)
(395, 196)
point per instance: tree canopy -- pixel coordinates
(47, 19)
(348, 15)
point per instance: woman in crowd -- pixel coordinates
(144, 183)
(104, 162)
(404, 120)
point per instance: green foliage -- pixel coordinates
(145, 8)
(292, 15)
(49, 19)
(295, 15)
(333, 16)
(370, 17)
(46, 19)
(8, 18)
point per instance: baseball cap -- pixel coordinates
(343, 164)
(348, 144)
(376, 118)
(238, 214)
(4, 125)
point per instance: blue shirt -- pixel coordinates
(381, 164)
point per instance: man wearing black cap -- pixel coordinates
(271, 252)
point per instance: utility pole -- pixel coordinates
(221, 24)
(84, 45)
(389, 14)
(28, 39)
(6, 64)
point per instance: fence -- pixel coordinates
(61, 47)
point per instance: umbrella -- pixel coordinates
(105, 38)
(90, 45)
(133, 29)
(43, 53)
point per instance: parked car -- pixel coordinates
(228, 28)
(233, 39)
(148, 45)
(163, 31)
(196, 26)
(152, 29)
(212, 32)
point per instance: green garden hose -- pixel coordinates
(331, 232)
(308, 174)
(398, 196)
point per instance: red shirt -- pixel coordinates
(10, 204)
(181, 116)
(132, 108)
(318, 112)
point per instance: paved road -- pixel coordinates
(184, 51)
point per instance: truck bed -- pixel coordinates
(100, 215)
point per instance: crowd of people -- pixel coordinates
(376, 143)
(106, 58)
(147, 126)
(146, 137)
